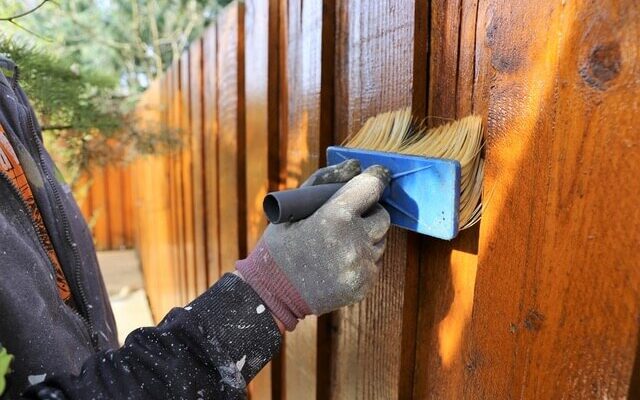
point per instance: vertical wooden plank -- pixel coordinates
(175, 185)
(153, 196)
(165, 249)
(262, 131)
(114, 211)
(257, 87)
(128, 216)
(210, 111)
(231, 167)
(447, 269)
(100, 207)
(197, 169)
(187, 177)
(302, 91)
(557, 292)
(304, 30)
(374, 340)
(82, 194)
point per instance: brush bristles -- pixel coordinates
(398, 132)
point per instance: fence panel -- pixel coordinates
(187, 178)
(199, 283)
(152, 210)
(231, 167)
(447, 269)
(373, 346)
(558, 278)
(303, 60)
(262, 138)
(210, 172)
(539, 301)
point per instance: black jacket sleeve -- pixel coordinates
(209, 349)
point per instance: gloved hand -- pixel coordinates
(328, 260)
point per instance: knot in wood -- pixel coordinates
(603, 65)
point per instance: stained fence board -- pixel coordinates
(127, 207)
(152, 205)
(447, 268)
(301, 99)
(539, 301)
(557, 291)
(257, 87)
(115, 210)
(172, 262)
(113, 206)
(100, 208)
(373, 341)
(176, 186)
(186, 159)
(231, 169)
(261, 91)
(197, 167)
(210, 143)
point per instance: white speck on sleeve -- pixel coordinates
(240, 362)
(35, 379)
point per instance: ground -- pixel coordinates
(123, 278)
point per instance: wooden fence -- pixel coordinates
(540, 301)
(106, 199)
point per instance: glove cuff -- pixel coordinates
(264, 276)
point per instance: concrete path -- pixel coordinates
(123, 278)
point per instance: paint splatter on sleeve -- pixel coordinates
(210, 349)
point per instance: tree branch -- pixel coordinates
(57, 127)
(19, 26)
(24, 14)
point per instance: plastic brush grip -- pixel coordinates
(296, 204)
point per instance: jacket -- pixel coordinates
(210, 349)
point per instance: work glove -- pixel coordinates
(328, 260)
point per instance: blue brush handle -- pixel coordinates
(424, 193)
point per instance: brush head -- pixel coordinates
(460, 141)
(424, 193)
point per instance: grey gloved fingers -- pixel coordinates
(377, 222)
(377, 250)
(361, 193)
(342, 172)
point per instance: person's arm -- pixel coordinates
(216, 345)
(209, 349)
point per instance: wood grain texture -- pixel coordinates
(175, 175)
(258, 91)
(231, 168)
(262, 132)
(374, 73)
(127, 207)
(539, 301)
(187, 177)
(303, 90)
(197, 167)
(152, 209)
(556, 304)
(100, 207)
(210, 172)
(447, 269)
(114, 211)
(168, 116)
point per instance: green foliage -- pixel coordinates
(83, 117)
(133, 40)
(83, 64)
(5, 363)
